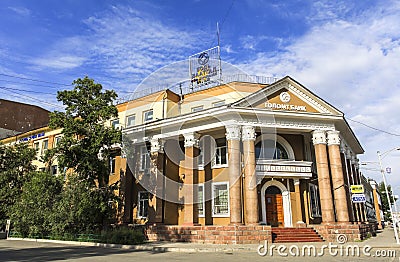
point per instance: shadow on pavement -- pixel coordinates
(36, 254)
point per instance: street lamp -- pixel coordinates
(380, 157)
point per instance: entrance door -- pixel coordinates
(274, 206)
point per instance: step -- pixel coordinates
(287, 235)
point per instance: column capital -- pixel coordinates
(319, 137)
(232, 132)
(333, 137)
(296, 181)
(156, 145)
(349, 154)
(192, 139)
(248, 133)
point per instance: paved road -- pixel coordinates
(26, 251)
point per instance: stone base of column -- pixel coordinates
(301, 224)
(235, 224)
(190, 224)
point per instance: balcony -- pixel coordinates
(283, 168)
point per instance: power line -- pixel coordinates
(374, 128)
(24, 90)
(34, 80)
(32, 98)
(22, 83)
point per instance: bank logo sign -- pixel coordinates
(205, 67)
(357, 189)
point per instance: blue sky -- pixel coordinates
(347, 52)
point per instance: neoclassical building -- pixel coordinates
(234, 163)
(241, 154)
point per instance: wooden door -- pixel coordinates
(274, 209)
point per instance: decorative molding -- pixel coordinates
(308, 99)
(248, 133)
(319, 137)
(349, 154)
(156, 145)
(192, 139)
(232, 132)
(333, 137)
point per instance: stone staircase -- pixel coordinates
(288, 235)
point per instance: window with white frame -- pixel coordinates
(144, 158)
(148, 115)
(54, 170)
(57, 140)
(221, 154)
(112, 165)
(115, 123)
(314, 201)
(200, 204)
(197, 108)
(36, 147)
(143, 204)
(130, 120)
(220, 199)
(219, 103)
(45, 146)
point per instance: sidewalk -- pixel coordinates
(384, 239)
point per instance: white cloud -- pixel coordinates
(353, 62)
(59, 62)
(23, 11)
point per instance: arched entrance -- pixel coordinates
(280, 197)
(274, 206)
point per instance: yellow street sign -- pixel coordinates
(357, 189)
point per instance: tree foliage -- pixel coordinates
(384, 200)
(82, 207)
(15, 169)
(33, 214)
(84, 130)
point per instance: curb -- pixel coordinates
(155, 249)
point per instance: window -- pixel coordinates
(36, 147)
(221, 154)
(143, 204)
(197, 108)
(45, 146)
(57, 140)
(112, 165)
(269, 149)
(54, 170)
(115, 123)
(144, 158)
(220, 199)
(200, 204)
(148, 115)
(219, 103)
(314, 201)
(130, 120)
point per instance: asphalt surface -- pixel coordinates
(21, 250)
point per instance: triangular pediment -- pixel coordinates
(287, 95)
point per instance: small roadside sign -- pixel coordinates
(357, 189)
(358, 198)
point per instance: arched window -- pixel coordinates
(269, 149)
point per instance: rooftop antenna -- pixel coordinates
(219, 54)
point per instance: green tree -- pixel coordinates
(85, 133)
(81, 208)
(15, 170)
(384, 200)
(32, 214)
